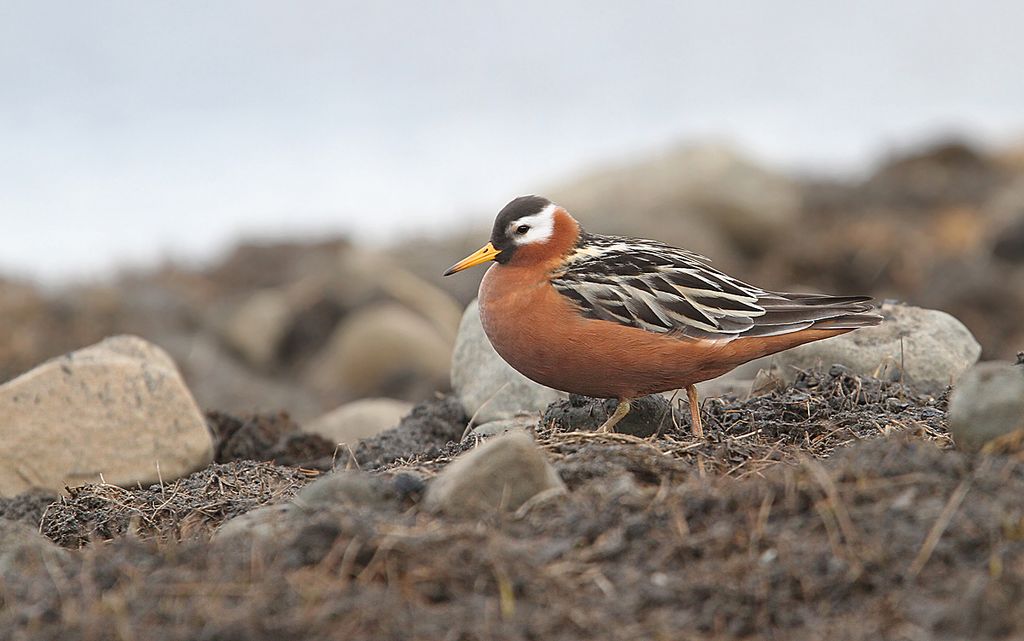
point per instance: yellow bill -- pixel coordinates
(482, 255)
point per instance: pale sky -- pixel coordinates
(135, 130)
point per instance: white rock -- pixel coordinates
(359, 419)
(503, 473)
(488, 388)
(933, 348)
(119, 409)
(988, 402)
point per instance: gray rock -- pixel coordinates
(500, 426)
(118, 409)
(933, 348)
(501, 474)
(359, 419)
(988, 402)
(266, 523)
(488, 388)
(343, 488)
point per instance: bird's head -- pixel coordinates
(528, 230)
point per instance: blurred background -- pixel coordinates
(270, 190)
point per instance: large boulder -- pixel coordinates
(927, 348)
(988, 402)
(118, 410)
(488, 388)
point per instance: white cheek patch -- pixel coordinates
(542, 226)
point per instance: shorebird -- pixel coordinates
(613, 317)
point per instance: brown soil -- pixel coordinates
(268, 437)
(834, 508)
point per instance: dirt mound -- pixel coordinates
(422, 435)
(188, 508)
(820, 412)
(893, 538)
(833, 508)
(268, 437)
(279, 439)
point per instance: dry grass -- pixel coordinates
(189, 508)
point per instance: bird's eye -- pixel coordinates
(522, 229)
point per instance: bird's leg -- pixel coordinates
(618, 415)
(698, 427)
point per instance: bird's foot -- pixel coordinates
(613, 420)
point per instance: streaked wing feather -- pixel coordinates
(662, 289)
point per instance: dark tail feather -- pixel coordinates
(822, 299)
(853, 321)
(785, 313)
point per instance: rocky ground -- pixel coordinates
(832, 508)
(317, 441)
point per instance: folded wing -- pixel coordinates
(659, 288)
